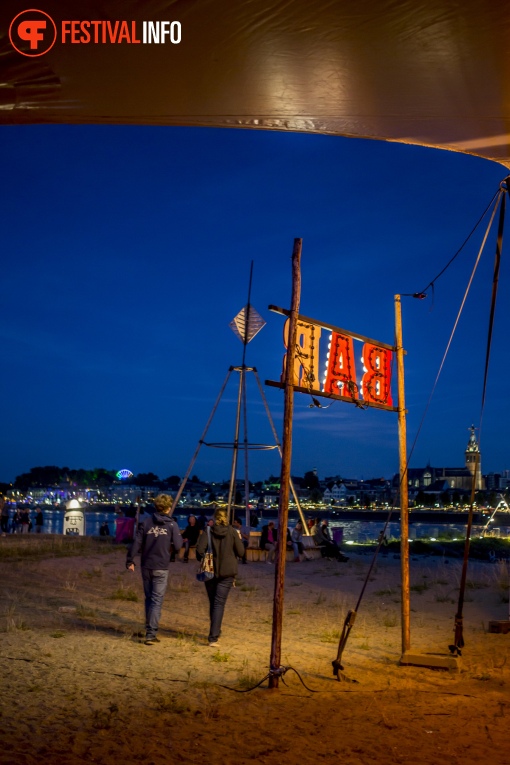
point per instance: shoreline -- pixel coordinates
(488, 549)
(416, 515)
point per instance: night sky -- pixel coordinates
(127, 252)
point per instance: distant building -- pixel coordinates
(337, 494)
(494, 482)
(438, 480)
(348, 491)
(474, 459)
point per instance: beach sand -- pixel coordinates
(79, 687)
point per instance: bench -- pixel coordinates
(191, 556)
(255, 554)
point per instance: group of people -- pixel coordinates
(322, 536)
(158, 540)
(269, 541)
(21, 522)
(319, 531)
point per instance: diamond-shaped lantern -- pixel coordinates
(255, 323)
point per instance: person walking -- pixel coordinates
(5, 516)
(226, 548)
(16, 522)
(190, 536)
(154, 540)
(39, 521)
(25, 520)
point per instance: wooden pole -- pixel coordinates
(306, 530)
(283, 506)
(403, 488)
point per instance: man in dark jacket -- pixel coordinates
(154, 540)
(330, 549)
(190, 536)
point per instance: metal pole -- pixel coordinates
(241, 398)
(283, 506)
(403, 487)
(193, 459)
(231, 491)
(246, 479)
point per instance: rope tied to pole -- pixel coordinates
(276, 673)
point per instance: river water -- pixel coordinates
(353, 531)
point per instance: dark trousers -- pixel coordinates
(154, 587)
(187, 545)
(218, 589)
(330, 550)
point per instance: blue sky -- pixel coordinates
(127, 253)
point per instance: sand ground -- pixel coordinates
(79, 687)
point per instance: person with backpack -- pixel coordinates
(226, 547)
(153, 541)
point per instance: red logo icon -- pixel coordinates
(32, 33)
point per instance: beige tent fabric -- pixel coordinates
(426, 72)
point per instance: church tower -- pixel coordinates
(472, 453)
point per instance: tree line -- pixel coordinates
(52, 475)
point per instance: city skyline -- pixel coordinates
(124, 475)
(128, 254)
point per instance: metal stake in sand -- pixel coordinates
(275, 668)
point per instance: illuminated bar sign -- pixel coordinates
(364, 380)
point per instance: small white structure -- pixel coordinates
(74, 519)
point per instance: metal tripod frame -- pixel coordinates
(235, 445)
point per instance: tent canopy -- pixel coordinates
(432, 73)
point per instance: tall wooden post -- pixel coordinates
(283, 506)
(403, 489)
